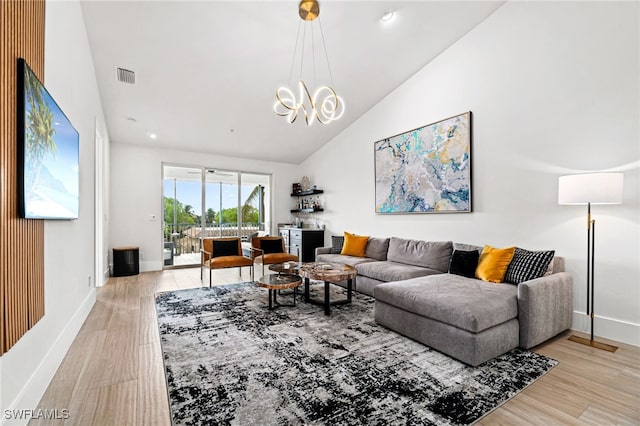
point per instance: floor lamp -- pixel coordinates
(591, 188)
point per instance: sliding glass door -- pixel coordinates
(203, 202)
(182, 202)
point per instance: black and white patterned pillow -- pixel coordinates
(337, 241)
(528, 265)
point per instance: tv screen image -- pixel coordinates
(48, 153)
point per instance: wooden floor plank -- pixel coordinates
(598, 415)
(152, 397)
(113, 373)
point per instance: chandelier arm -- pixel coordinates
(324, 45)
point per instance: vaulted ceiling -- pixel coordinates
(207, 71)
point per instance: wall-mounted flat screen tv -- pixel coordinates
(48, 153)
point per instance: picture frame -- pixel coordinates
(425, 170)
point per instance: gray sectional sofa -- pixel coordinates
(466, 318)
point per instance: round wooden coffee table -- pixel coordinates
(285, 268)
(276, 282)
(330, 273)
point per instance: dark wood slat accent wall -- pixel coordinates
(21, 241)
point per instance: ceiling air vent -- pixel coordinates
(125, 76)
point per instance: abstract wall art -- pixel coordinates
(425, 170)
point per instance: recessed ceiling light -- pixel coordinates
(387, 16)
(152, 136)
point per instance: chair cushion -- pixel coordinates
(271, 246)
(225, 248)
(271, 258)
(229, 262)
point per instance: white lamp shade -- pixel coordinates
(594, 188)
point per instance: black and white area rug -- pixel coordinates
(229, 360)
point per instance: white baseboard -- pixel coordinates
(151, 265)
(37, 384)
(610, 328)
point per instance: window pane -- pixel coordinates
(221, 203)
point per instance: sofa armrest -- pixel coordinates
(322, 250)
(545, 308)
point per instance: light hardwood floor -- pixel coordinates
(113, 372)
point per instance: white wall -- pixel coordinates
(28, 367)
(554, 89)
(136, 193)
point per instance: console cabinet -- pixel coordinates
(303, 239)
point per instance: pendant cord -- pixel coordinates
(295, 50)
(324, 45)
(313, 56)
(304, 38)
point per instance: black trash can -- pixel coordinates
(126, 261)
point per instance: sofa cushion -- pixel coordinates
(467, 247)
(465, 303)
(341, 258)
(428, 254)
(392, 271)
(354, 245)
(528, 265)
(464, 263)
(377, 248)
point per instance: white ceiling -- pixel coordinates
(207, 71)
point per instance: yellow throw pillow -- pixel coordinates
(354, 245)
(493, 263)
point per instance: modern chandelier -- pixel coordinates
(324, 104)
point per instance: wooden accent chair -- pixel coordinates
(270, 250)
(218, 253)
